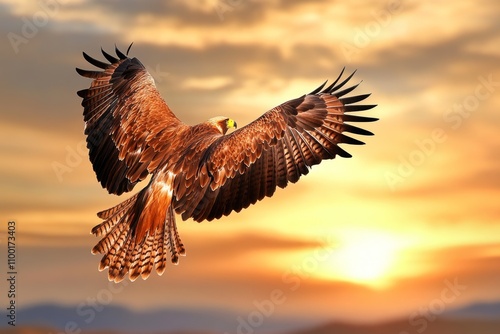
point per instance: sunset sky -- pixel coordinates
(373, 237)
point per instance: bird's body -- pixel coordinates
(199, 171)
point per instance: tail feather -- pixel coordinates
(136, 233)
(107, 243)
(175, 243)
(147, 257)
(173, 248)
(127, 255)
(135, 268)
(119, 266)
(160, 259)
(178, 242)
(112, 216)
(112, 246)
(106, 214)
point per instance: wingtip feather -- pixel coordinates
(317, 90)
(128, 49)
(109, 57)
(94, 61)
(120, 54)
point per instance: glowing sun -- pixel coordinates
(363, 257)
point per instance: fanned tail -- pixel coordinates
(139, 232)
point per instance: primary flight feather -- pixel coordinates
(198, 171)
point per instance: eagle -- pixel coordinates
(197, 171)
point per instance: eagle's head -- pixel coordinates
(223, 123)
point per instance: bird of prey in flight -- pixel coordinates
(201, 171)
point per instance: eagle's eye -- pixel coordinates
(230, 123)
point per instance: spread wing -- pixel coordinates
(125, 121)
(277, 148)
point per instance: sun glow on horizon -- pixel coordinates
(363, 257)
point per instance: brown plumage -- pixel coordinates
(197, 171)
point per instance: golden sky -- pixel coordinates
(367, 238)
